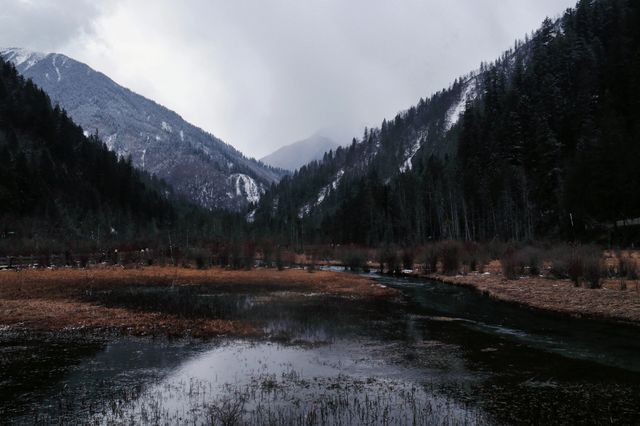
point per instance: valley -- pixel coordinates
(469, 260)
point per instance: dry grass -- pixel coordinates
(52, 299)
(562, 296)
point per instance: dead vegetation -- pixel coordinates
(608, 301)
(56, 299)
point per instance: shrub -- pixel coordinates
(531, 259)
(627, 268)
(585, 263)
(510, 265)
(201, 258)
(248, 255)
(496, 249)
(353, 258)
(450, 252)
(592, 270)
(430, 259)
(84, 260)
(575, 268)
(560, 261)
(267, 254)
(474, 257)
(408, 257)
(279, 261)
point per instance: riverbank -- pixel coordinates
(556, 295)
(156, 300)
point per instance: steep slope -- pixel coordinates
(540, 143)
(196, 163)
(320, 188)
(296, 155)
(56, 182)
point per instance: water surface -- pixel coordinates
(437, 354)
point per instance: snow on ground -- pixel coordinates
(246, 187)
(455, 112)
(181, 135)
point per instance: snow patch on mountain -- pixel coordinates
(468, 94)
(166, 127)
(327, 189)
(19, 56)
(411, 152)
(55, 66)
(322, 195)
(144, 152)
(251, 216)
(246, 187)
(110, 141)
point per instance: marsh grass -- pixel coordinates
(291, 399)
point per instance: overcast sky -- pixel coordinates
(260, 74)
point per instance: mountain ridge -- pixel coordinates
(503, 153)
(198, 165)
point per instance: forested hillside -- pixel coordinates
(56, 184)
(56, 181)
(195, 163)
(547, 145)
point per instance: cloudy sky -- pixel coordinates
(264, 73)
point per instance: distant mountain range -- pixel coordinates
(296, 155)
(198, 165)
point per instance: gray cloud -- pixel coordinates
(44, 25)
(261, 74)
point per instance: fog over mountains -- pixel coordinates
(296, 155)
(197, 164)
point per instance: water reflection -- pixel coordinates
(438, 354)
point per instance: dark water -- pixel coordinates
(438, 354)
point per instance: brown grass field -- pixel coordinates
(609, 302)
(45, 299)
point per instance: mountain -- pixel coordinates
(541, 143)
(196, 163)
(57, 182)
(294, 156)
